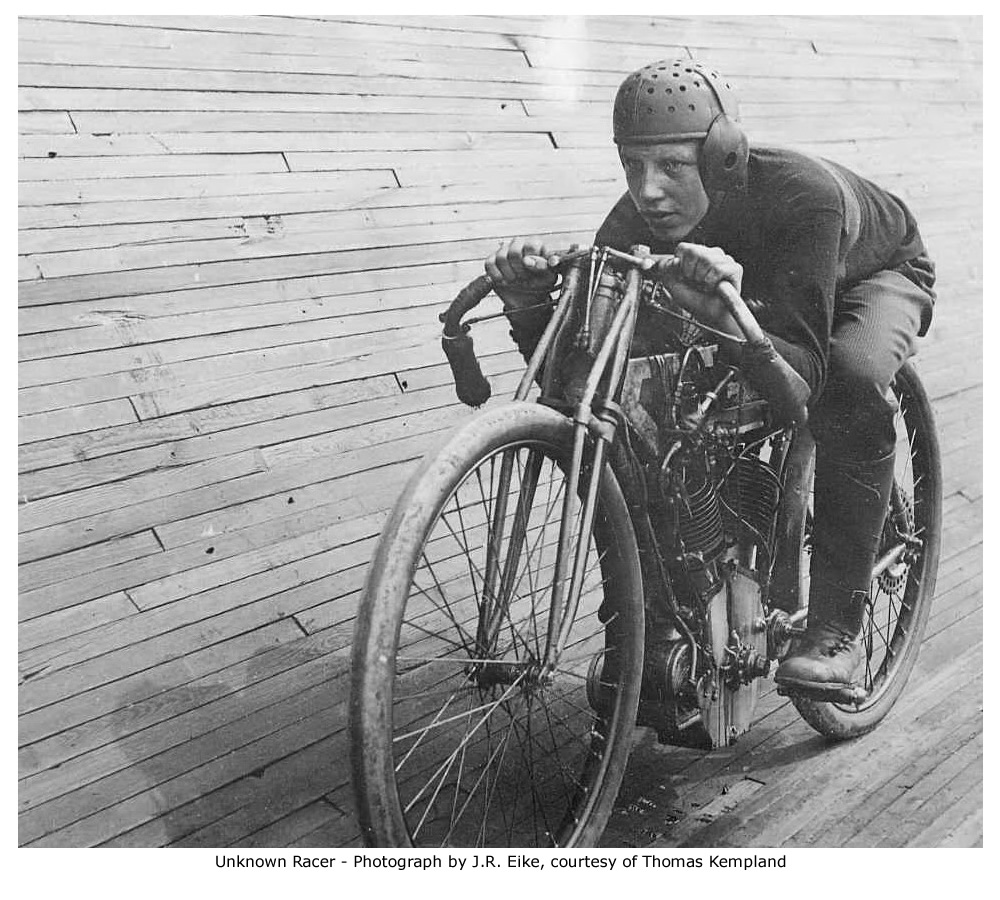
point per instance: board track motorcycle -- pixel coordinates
(626, 542)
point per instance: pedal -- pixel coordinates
(851, 694)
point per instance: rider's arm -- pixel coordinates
(788, 238)
(523, 280)
(796, 285)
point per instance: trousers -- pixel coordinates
(875, 327)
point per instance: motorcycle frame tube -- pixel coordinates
(570, 285)
(614, 353)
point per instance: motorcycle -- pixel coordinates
(626, 542)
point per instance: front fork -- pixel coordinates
(596, 422)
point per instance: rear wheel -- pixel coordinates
(902, 587)
(461, 735)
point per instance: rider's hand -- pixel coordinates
(519, 269)
(692, 277)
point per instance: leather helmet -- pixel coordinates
(684, 100)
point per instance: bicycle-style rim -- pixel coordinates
(521, 732)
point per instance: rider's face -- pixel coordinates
(666, 188)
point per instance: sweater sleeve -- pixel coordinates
(797, 288)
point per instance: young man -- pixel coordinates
(842, 283)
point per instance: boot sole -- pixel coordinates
(820, 690)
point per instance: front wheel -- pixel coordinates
(466, 731)
(902, 587)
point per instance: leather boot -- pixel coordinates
(849, 508)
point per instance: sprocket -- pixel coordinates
(899, 526)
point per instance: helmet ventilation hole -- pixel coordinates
(683, 87)
(691, 107)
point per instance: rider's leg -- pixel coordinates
(874, 332)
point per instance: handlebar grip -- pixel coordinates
(785, 389)
(470, 384)
(473, 293)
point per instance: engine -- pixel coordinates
(712, 463)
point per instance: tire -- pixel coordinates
(451, 752)
(900, 599)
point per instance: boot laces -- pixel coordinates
(832, 640)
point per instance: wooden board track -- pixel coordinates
(235, 235)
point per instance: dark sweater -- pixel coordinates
(801, 243)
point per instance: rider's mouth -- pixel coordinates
(659, 218)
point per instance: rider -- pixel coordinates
(843, 287)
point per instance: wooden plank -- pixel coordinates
(75, 420)
(359, 290)
(236, 27)
(521, 85)
(295, 826)
(174, 632)
(268, 204)
(303, 772)
(116, 467)
(209, 338)
(123, 284)
(223, 672)
(76, 168)
(211, 497)
(504, 64)
(756, 91)
(501, 118)
(84, 503)
(32, 576)
(276, 701)
(340, 832)
(88, 145)
(188, 43)
(270, 241)
(90, 527)
(75, 621)
(99, 717)
(97, 190)
(124, 101)
(966, 832)
(854, 818)
(55, 122)
(280, 203)
(52, 240)
(917, 819)
(114, 440)
(746, 32)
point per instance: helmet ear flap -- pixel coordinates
(724, 154)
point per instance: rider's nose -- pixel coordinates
(650, 188)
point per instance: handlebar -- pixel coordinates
(470, 384)
(785, 389)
